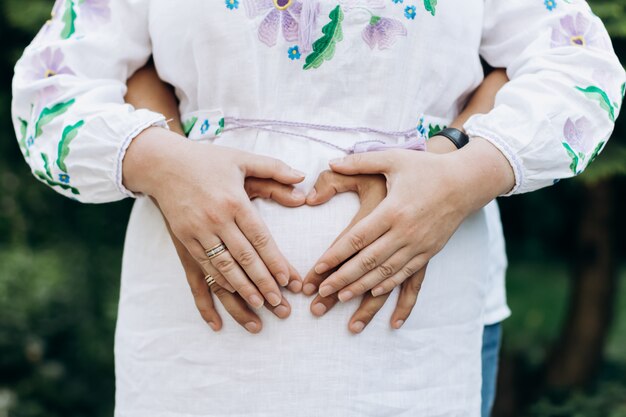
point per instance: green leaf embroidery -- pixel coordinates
(324, 47)
(221, 128)
(623, 90)
(69, 133)
(188, 125)
(430, 6)
(23, 133)
(596, 93)
(434, 129)
(52, 183)
(46, 165)
(49, 114)
(574, 165)
(69, 20)
(596, 151)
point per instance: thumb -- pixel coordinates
(285, 195)
(271, 168)
(328, 185)
(363, 163)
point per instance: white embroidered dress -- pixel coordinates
(378, 64)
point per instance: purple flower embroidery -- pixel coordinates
(577, 31)
(382, 32)
(574, 133)
(48, 64)
(95, 11)
(308, 21)
(282, 14)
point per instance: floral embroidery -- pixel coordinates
(596, 93)
(205, 127)
(279, 13)
(220, 129)
(324, 47)
(577, 144)
(550, 4)
(48, 64)
(430, 6)
(577, 31)
(95, 11)
(307, 24)
(22, 140)
(188, 125)
(296, 20)
(92, 12)
(409, 12)
(382, 32)
(232, 4)
(48, 114)
(294, 52)
(68, 135)
(69, 20)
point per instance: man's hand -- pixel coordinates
(371, 190)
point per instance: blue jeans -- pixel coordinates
(492, 337)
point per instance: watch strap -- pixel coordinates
(456, 136)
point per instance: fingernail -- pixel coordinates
(297, 173)
(282, 279)
(321, 268)
(357, 326)
(312, 194)
(336, 161)
(255, 301)
(309, 289)
(378, 291)
(345, 296)
(318, 309)
(213, 326)
(252, 327)
(295, 286)
(296, 193)
(274, 299)
(325, 291)
(281, 311)
(398, 324)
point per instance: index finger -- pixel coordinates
(361, 235)
(257, 233)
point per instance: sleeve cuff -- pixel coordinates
(507, 151)
(152, 120)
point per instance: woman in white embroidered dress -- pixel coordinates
(291, 80)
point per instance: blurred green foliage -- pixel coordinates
(60, 264)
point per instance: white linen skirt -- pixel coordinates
(169, 363)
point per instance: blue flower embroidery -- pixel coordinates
(550, 4)
(397, 1)
(294, 52)
(30, 141)
(205, 127)
(409, 12)
(232, 4)
(64, 178)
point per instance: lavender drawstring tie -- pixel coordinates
(415, 139)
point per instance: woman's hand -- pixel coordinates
(428, 197)
(233, 303)
(371, 190)
(200, 190)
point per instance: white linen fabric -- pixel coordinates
(374, 63)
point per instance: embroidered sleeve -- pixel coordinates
(558, 111)
(68, 96)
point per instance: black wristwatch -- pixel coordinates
(457, 137)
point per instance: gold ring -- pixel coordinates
(216, 250)
(209, 280)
